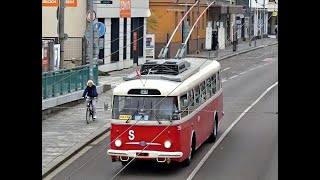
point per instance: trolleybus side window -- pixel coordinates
(219, 85)
(214, 84)
(191, 101)
(183, 107)
(203, 91)
(197, 95)
(208, 87)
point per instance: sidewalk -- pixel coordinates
(243, 45)
(65, 133)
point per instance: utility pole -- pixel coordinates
(91, 38)
(198, 26)
(61, 31)
(250, 23)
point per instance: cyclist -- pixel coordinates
(92, 95)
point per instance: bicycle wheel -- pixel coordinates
(88, 114)
(92, 114)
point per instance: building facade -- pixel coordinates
(165, 16)
(125, 20)
(74, 27)
(223, 16)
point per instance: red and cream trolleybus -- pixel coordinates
(166, 111)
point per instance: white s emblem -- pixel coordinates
(131, 135)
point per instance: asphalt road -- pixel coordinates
(248, 152)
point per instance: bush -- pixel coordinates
(100, 73)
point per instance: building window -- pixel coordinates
(193, 20)
(137, 25)
(176, 19)
(115, 39)
(140, 36)
(203, 22)
(124, 38)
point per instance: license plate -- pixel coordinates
(125, 117)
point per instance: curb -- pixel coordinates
(98, 133)
(74, 150)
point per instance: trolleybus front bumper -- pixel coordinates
(126, 154)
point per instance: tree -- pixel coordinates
(152, 21)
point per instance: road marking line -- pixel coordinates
(252, 69)
(215, 145)
(243, 72)
(264, 55)
(224, 80)
(267, 59)
(225, 69)
(233, 76)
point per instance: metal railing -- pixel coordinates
(65, 81)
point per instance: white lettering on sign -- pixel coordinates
(49, 1)
(131, 135)
(125, 5)
(70, 1)
(144, 91)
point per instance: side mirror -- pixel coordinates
(105, 106)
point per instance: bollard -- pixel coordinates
(234, 46)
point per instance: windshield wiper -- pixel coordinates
(134, 113)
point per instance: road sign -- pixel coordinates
(101, 28)
(94, 16)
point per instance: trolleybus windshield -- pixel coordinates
(145, 108)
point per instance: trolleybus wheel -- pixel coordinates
(213, 136)
(187, 161)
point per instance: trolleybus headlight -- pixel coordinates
(167, 144)
(118, 143)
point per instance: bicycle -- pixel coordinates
(89, 112)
